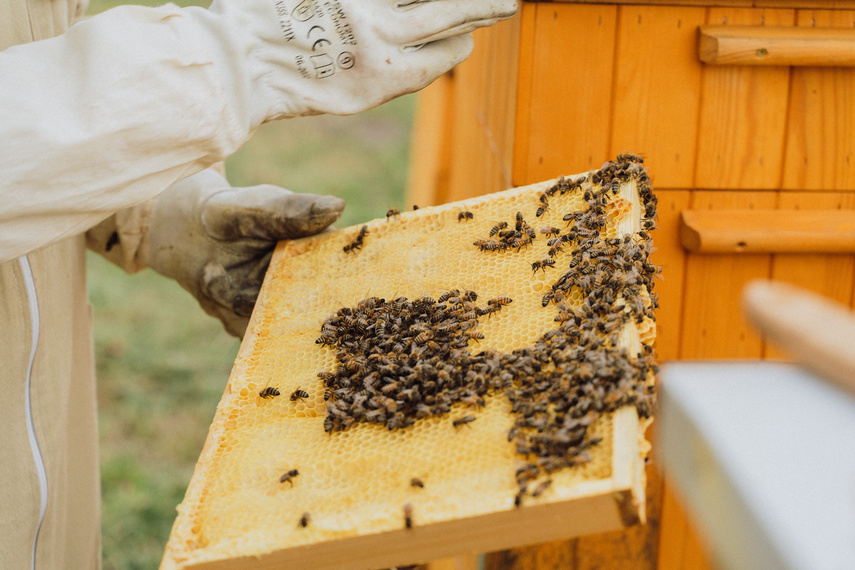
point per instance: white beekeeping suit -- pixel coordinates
(107, 127)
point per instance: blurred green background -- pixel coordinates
(162, 363)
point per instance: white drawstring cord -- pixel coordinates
(30, 285)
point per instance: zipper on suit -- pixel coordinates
(32, 301)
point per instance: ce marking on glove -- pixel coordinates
(320, 42)
(323, 63)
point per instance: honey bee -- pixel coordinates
(415, 207)
(550, 231)
(289, 476)
(392, 212)
(299, 394)
(416, 482)
(474, 335)
(630, 158)
(328, 394)
(500, 301)
(500, 226)
(304, 520)
(463, 420)
(519, 496)
(465, 215)
(541, 488)
(269, 392)
(408, 515)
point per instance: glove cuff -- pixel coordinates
(123, 237)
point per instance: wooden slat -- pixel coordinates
(743, 115)
(634, 547)
(656, 91)
(485, 97)
(563, 123)
(671, 256)
(672, 531)
(820, 151)
(468, 562)
(765, 45)
(830, 275)
(525, 81)
(713, 326)
(767, 231)
(430, 156)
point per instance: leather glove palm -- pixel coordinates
(216, 241)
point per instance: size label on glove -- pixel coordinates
(323, 32)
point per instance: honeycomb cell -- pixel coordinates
(588, 318)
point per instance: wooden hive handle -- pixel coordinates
(768, 45)
(817, 331)
(768, 231)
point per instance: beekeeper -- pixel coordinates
(107, 132)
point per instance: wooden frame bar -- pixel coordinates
(766, 45)
(768, 231)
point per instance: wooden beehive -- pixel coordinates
(565, 84)
(345, 508)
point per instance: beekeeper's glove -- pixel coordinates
(339, 56)
(216, 241)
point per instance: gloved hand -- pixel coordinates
(340, 56)
(216, 241)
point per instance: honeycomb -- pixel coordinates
(279, 481)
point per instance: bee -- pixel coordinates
(474, 335)
(328, 394)
(448, 295)
(416, 482)
(408, 515)
(550, 231)
(544, 205)
(289, 476)
(465, 215)
(269, 392)
(423, 337)
(500, 301)
(519, 496)
(299, 394)
(463, 420)
(630, 158)
(541, 488)
(415, 207)
(392, 212)
(304, 520)
(495, 229)
(473, 400)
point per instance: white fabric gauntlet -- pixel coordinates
(344, 56)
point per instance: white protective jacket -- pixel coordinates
(49, 482)
(98, 119)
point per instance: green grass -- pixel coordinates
(162, 363)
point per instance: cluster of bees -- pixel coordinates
(578, 371)
(403, 360)
(504, 236)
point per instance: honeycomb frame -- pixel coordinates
(238, 514)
